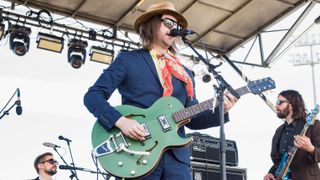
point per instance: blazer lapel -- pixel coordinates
(277, 141)
(148, 59)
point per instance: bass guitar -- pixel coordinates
(283, 171)
(124, 157)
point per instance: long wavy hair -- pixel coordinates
(147, 32)
(297, 103)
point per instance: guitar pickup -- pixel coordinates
(164, 123)
(146, 131)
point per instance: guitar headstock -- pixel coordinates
(312, 115)
(258, 86)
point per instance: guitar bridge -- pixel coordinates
(115, 143)
(112, 144)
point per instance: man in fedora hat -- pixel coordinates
(142, 77)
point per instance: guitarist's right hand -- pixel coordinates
(131, 128)
(269, 176)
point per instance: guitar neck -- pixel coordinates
(203, 106)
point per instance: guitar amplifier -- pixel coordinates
(205, 148)
(205, 171)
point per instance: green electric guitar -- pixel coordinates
(124, 157)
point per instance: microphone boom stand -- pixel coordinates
(86, 170)
(73, 173)
(6, 112)
(17, 102)
(223, 85)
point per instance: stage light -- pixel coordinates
(50, 42)
(19, 39)
(77, 52)
(101, 55)
(2, 30)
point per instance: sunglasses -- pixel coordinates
(279, 102)
(171, 24)
(51, 161)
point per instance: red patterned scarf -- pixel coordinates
(170, 65)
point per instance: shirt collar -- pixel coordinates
(154, 53)
(292, 124)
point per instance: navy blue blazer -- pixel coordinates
(135, 76)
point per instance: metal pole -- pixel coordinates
(313, 78)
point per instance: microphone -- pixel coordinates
(181, 32)
(18, 102)
(50, 145)
(73, 168)
(65, 139)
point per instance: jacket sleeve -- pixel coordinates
(96, 99)
(315, 140)
(207, 119)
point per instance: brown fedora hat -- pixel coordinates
(160, 8)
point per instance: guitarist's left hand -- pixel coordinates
(304, 143)
(229, 101)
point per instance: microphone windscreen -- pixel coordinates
(19, 110)
(174, 32)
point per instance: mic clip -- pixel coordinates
(18, 102)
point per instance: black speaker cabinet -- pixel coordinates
(206, 149)
(205, 171)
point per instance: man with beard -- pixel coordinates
(46, 166)
(290, 106)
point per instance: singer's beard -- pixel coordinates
(51, 171)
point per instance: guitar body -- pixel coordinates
(124, 157)
(163, 135)
(283, 171)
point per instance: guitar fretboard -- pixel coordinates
(203, 106)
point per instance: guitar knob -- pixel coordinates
(120, 163)
(144, 162)
(132, 172)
